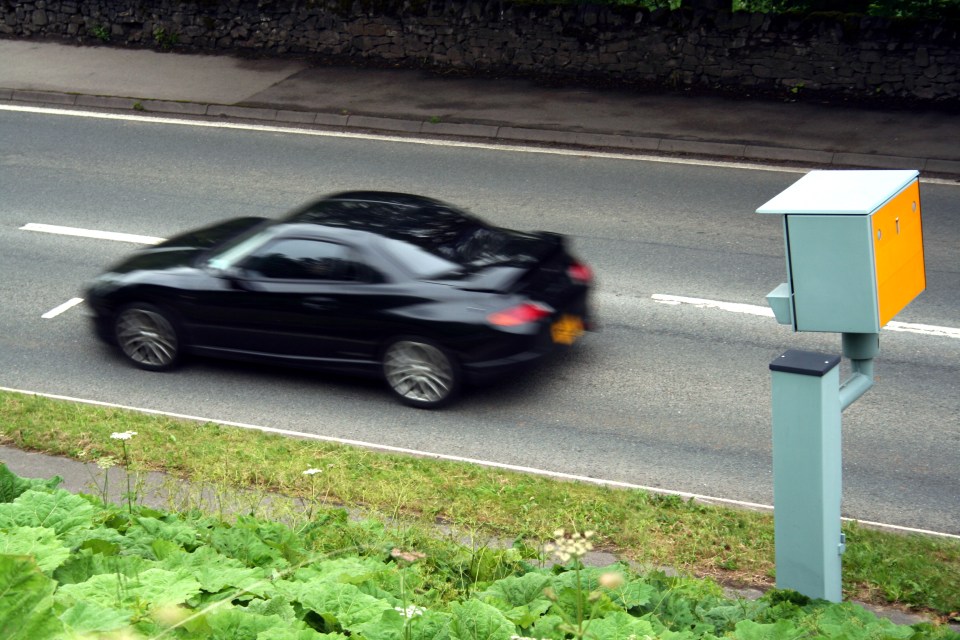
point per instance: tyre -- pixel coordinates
(421, 373)
(147, 337)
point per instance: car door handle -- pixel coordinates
(320, 302)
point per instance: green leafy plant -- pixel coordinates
(165, 39)
(100, 32)
(72, 566)
(231, 470)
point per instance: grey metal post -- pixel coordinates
(807, 473)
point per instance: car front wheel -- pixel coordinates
(421, 373)
(147, 337)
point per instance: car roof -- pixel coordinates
(383, 212)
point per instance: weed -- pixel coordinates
(165, 40)
(100, 32)
(130, 495)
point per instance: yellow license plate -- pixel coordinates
(567, 329)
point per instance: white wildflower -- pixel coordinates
(123, 435)
(312, 471)
(573, 545)
(106, 462)
(611, 580)
(411, 611)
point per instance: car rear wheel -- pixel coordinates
(147, 337)
(421, 373)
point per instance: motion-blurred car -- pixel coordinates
(395, 285)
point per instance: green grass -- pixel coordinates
(732, 546)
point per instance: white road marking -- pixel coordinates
(69, 304)
(441, 456)
(737, 307)
(702, 303)
(516, 148)
(388, 138)
(91, 233)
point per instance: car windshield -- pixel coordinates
(242, 246)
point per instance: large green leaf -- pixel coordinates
(216, 572)
(12, 485)
(635, 593)
(521, 598)
(432, 625)
(619, 626)
(395, 625)
(26, 601)
(86, 563)
(518, 590)
(244, 544)
(159, 587)
(345, 603)
(39, 542)
(355, 570)
(234, 622)
(59, 510)
(273, 607)
(852, 622)
(750, 630)
(476, 620)
(95, 537)
(90, 617)
(145, 531)
(280, 632)
(389, 626)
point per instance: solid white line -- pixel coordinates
(90, 233)
(440, 456)
(751, 309)
(752, 166)
(69, 304)
(389, 138)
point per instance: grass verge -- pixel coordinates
(732, 546)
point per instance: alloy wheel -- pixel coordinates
(147, 337)
(420, 373)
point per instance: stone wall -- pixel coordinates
(836, 55)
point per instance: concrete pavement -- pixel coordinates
(411, 102)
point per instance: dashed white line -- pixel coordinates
(756, 310)
(702, 303)
(441, 456)
(69, 304)
(91, 233)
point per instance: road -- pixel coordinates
(673, 396)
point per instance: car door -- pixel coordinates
(308, 299)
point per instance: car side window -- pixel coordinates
(303, 259)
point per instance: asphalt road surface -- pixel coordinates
(668, 394)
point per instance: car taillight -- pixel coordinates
(580, 273)
(521, 314)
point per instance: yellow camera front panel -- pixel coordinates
(898, 252)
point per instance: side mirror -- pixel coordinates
(235, 277)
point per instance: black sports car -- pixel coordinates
(390, 284)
